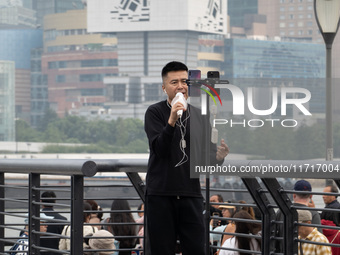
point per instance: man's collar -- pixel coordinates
(311, 234)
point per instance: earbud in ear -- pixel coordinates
(164, 91)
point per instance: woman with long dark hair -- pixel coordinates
(120, 213)
(244, 243)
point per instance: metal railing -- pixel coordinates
(267, 194)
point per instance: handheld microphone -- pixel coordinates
(180, 98)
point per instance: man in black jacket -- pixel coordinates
(331, 203)
(49, 198)
(174, 203)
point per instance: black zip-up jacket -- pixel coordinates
(333, 216)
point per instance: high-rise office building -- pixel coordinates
(16, 45)
(161, 31)
(16, 17)
(7, 101)
(150, 34)
(75, 62)
(291, 19)
(263, 64)
(39, 88)
(295, 20)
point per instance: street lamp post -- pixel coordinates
(327, 15)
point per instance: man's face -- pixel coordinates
(214, 199)
(175, 82)
(328, 199)
(43, 227)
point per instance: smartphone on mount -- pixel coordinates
(215, 77)
(194, 91)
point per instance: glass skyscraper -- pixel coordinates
(273, 59)
(7, 113)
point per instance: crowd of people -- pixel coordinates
(118, 233)
(115, 235)
(312, 225)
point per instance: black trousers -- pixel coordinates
(170, 218)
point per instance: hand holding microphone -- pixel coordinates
(180, 98)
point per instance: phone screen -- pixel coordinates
(194, 91)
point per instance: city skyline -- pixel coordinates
(81, 71)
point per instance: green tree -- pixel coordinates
(24, 132)
(54, 135)
(50, 116)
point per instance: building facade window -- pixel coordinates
(99, 62)
(151, 91)
(92, 92)
(56, 64)
(60, 79)
(119, 92)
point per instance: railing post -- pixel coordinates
(137, 183)
(34, 211)
(2, 209)
(77, 214)
(268, 213)
(290, 232)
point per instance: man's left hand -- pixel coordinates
(222, 150)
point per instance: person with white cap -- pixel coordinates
(22, 244)
(103, 240)
(65, 243)
(310, 233)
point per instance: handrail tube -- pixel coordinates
(48, 166)
(91, 167)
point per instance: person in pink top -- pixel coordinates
(332, 235)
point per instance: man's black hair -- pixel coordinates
(48, 197)
(173, 67)
(333, 189)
